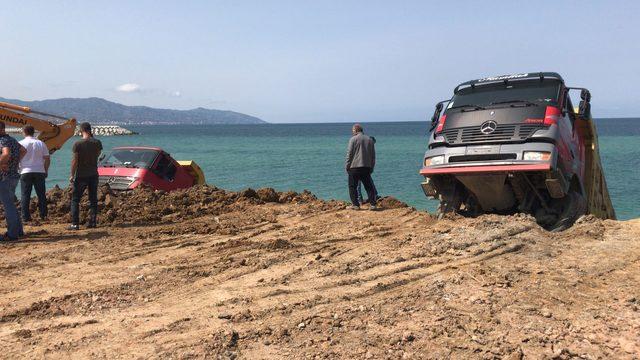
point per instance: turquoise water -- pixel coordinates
(311, 156)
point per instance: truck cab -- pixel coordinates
(508, 144)
(125, 168)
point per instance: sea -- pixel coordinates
(311, 156)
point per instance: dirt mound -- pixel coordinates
(389, 202)
(268, 195)
(146, 206)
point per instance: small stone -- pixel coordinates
(301, 325)
(546, 313)
(628, 346)
(140, 278)
(516, 355)
(23, 333)
(408, 337)
(224, 316)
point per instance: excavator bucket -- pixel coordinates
(64, 132)
(194, 170)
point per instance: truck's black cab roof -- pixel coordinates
(492, 80)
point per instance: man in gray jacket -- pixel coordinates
(361, 159)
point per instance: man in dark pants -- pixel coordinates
(361, 159)
(33, 171)
(84, 175)
(11, 152)
(361, 199)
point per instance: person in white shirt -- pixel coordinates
(34, 168)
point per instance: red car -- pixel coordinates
(125, 168)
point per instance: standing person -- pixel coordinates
(359, 187)
(12, 153)
(361, 159)
(84, 175)
(34, 168)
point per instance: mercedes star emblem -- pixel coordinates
(488, 127)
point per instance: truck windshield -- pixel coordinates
(134, 158)
(524, 93)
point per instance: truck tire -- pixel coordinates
(573, 206)
(449, 203)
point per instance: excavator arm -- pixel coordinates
(53, 135)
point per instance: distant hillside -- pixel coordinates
(101, 111)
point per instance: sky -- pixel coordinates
(314, 61)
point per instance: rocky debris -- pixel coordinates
(268, 195)
(23, 333)
(278, 244)
(223, 344)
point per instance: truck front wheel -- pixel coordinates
(450, 201)
(569, 209)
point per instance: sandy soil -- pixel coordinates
(214, 274)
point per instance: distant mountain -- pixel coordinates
(101, 111)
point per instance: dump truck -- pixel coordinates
(127, 167)
(515, 143)
(54, 135)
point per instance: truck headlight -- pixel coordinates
(432, 161)
(536, 156)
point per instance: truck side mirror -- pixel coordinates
(585, 103)
(436, 115)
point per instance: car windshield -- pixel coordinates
(518, 93)
(134, 158)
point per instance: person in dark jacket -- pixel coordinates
(361, 199)
(359, 164)
(84, 175)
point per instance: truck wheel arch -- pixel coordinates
(576, 185)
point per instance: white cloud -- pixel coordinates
(128, 88)
(176, 93)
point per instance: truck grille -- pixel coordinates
(503, 133)
(116, 182)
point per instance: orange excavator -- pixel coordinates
(52, 134)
